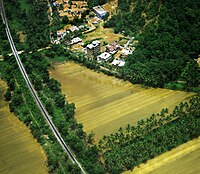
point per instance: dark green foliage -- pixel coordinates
(30, 17)
(151, 137)
(169, 39)
(37, 28)
(105, 17)
(60, 100)
(168, 34)
(191, 74)
(60, 110)
(7, 95)
(84, 14)
(92, 3)
(65, 20)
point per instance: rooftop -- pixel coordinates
(112, 47)
(96, 42)
(118, 62)
(104, 56)
(93, 44)
(122, 63)
(126, 51)
(73, 28)
(76, 40)
(99, 10)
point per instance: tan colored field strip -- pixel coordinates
(184, 159)
(19, 152)
(104, 103)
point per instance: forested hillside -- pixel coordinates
(168, 33)
(29, 17)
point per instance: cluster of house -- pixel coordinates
(63, 32)
(78, 7)
(75, 7)
(94, 48)
(71, 9)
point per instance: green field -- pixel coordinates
(104, 103)
(19, 151)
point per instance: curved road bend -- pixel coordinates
(34, 94)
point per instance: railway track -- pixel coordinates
(34, 94)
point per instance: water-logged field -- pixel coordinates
(105, 103)
(19, 152)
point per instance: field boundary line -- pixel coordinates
(167, 157)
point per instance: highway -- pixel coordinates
(34, 94)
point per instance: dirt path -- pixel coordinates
(183, 159)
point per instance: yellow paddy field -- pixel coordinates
(184, 159)
(104, 103)
(19, 152)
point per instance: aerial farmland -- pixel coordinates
(104, 103)
(106, 87)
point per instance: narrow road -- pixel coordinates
(126, 45)
(33, 92)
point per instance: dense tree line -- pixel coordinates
(62, 113)
(160, 133)
(190, 74)
(31, 18)
(92, 3)
(167, 46)
(168, 34)
(150, 137)
(121, 151)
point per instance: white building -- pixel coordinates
(115, 62)
(126, 52)
(57, 41)
(100, 11)
(73, 28)
(122, 63)
(103, 57)
(60, 33)
(119, 62)
(75, 40)
(93, 48)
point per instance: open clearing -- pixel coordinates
(184, 159)
(111, 7)
(19, 151)
(104, 103)
(105, 33)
